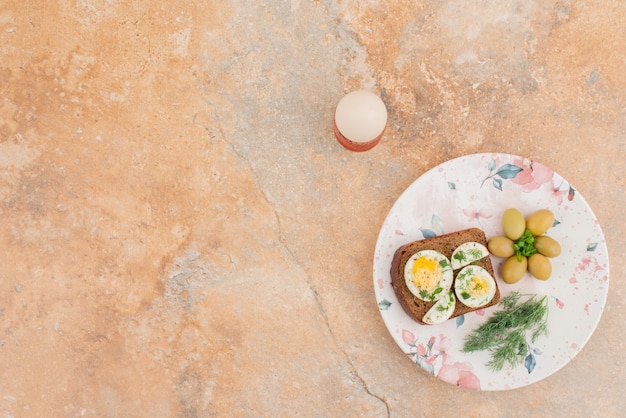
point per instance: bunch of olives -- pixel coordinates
(524, 246)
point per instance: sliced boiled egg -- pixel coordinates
(467, 253)
(427, 274)
(474, 286)
(442, 310)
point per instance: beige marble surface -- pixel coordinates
(181, 235)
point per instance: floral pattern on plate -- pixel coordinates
(473, 191)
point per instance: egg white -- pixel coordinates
(442, 310)
(441, 284)
(467, 253)
(464, 282)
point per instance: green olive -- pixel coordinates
(547, 246)
(513, 270)
(501, 246)
(539, 266)
(513, 223)
(540, 221)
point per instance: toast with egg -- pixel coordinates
(446, 244)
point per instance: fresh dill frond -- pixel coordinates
(511, 300)
(476, 253)
(506, 332)
(508, 352)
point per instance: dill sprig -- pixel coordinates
(505, 335)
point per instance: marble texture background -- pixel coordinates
(181, 235)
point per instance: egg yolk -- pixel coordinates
(478, 286)
(426, 273)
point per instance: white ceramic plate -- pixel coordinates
(473, 191)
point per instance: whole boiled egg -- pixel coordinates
(360, 120)
(474, 286)
(428, 274)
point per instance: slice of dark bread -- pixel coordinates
(445, 244)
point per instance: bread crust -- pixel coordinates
(445, 244)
